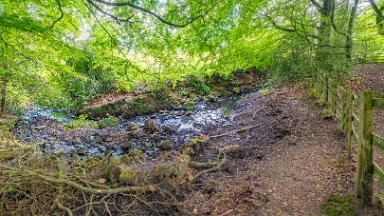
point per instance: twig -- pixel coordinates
(227, 212)
(257, 111)
(235, 131)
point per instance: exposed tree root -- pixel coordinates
(202, 165)
(197, 175)
(131, 189)
(235, 131)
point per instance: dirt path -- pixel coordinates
(289, 165)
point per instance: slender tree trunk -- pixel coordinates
(3, 94)
(349, 42)
(379, 16)
(324, 52)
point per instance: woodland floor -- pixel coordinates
(290, 164)
(290, 161)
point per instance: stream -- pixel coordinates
(46, 129)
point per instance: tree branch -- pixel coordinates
(110, 15)
(317, 5)
(161, 19)
(61, 14)
(110, 35)
(5, 42)
(377, 11)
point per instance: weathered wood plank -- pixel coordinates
(378, 141)
(355, 135)
(349, 116)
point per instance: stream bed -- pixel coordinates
(175, 127)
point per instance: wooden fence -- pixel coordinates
(342, 103)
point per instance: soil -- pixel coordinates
(290, 164)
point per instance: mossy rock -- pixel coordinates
(80, 122)
(136, 152)
(138, 105)
(126, 146)
(196, 145)
(236, 90)
(166, 145)
(132, 127)
(108, 122)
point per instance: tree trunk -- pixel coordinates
(3, 94)
(379, 17)
(349, 42)
(323, 52)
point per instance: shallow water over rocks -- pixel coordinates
(47, 129)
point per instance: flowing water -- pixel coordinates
(46, 129)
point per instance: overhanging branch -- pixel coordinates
(108, 14)
(377, 11)
(161, 19)
(61, 14)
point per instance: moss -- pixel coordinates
(111, 170)
(196, 145)
(189, 106)
(327, 115)
(339, 206)
(165, 145)
(136, 152)
(129, 176)
(80, 122)
(127, 145)
(311, 93)
(108, 122)
(7, 123)
(264, 91)
(236, 90)
(146, 104)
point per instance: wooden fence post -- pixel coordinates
(349, 120)
(326, 90)
(343, 111)
(332, 97)
(364, 162)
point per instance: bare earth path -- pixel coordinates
(289, 165)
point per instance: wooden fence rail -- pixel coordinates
(341, 103)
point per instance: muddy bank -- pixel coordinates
(145, 101)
